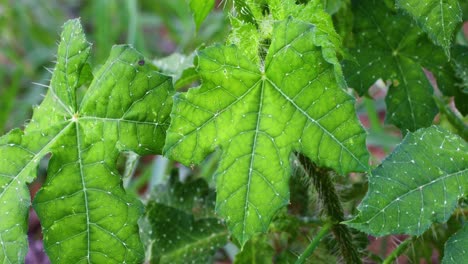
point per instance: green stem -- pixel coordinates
(311, 247)
(459, 125)
(331, 202)
(398, 251)
(132, 21)
(372, 115)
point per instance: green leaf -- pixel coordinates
(389, 46)
(183, 227)
(258, 114)
(417, 185)
(460, 60)
(460, 63)
(257, 250)
(201, 9)
(455, 248)
(333, 6)
(180, 67)
(438, 18)
(192, 197)
(84, 211)
(20, 153)
(178, 238)
(243, 11)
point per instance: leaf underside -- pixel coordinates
(258, 115)
(419, 184)
(455, 251)
(85, 213)
(389, 46)
(438, 18)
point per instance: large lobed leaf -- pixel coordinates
(389, 46)
(258, 114)
(419, 184)
(84, 211)
(438, 18)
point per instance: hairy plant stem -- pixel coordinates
(331, 203)
(398, 251)
(311, 247)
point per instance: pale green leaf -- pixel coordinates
(390, 47)
(258, 115)
(438, 18)
(201, 9)
(419, 184)
(84, 211)
(20, 154)
(455, 251)
(257, 250)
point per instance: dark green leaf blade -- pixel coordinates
(419, 184)
(438, 18)
(258, 115)
(460, 64)
(455, 248)
(179, 238)
(183, 215)
(389, 46)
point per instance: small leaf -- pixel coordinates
(438, 18)
(455, 248)
(201, 9)
(417, 185)
(259, 114)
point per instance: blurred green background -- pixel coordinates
(29, 30)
